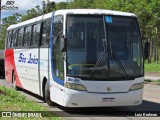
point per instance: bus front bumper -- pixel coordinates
(75, 98)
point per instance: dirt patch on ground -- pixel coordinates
(153, 74)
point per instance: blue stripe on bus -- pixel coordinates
(59, 81)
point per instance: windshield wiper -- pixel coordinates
(118, 61)
(100, 57)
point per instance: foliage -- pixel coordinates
(30, 14)
(152, 67)
(15, 18)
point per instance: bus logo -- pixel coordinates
(109, 89)
(9, 6)
(10, 2)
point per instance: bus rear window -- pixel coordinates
(8, 39)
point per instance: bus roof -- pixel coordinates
(71, 11)
(94, 11)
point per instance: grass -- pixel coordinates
(153, 67)
(156, 82)
(11, 100)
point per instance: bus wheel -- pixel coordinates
(47, 95)
(14, 82)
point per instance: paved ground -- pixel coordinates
(151, 102)
(152, 75)
(152, 78)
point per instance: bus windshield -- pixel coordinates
(101, 46)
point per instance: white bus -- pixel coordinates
(78, 58)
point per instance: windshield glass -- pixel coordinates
(103, 47)
(125, 45)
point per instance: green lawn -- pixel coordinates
(153, 67)
(11, 100)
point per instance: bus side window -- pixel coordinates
(8, 38)
(45, 33)
(20, 37)
(14, 38)
(57, 54)
(7, 35)
(11, 39)
(27, 36)
(35, 35)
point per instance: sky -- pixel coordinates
(23, 6)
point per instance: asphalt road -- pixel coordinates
(151, 102)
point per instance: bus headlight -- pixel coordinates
(137, 86)
(75, 86)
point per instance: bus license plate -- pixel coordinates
(108, 99)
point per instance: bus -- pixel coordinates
(78, 58)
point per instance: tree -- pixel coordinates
(30, 14)
(15, 18)
(50, 6)
(61, 5)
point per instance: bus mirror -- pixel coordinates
(62, 44)
(146, 50)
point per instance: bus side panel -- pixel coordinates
(9, 58)
(26, 61)
(56, 89)
(10, 67)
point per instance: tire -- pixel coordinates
(14, 82)
(47, 95)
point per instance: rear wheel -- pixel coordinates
(14, 82)
(47, 95)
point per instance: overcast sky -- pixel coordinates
(23, 6)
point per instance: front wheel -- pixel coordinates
(47, 95)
